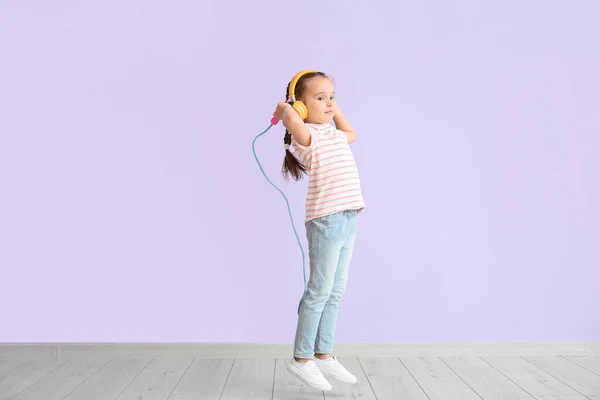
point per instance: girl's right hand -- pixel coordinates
(281, 107)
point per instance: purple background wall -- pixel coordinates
(478, 149)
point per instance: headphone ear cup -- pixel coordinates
(301, 109)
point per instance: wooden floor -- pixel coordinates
(461, 378)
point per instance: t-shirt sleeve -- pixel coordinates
(342, 134)
(313, 141)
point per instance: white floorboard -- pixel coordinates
(250, 379)
(533, 379)
(109, 381)
(577, 377)
(266, 378)
(390, 379)
(361, 390)
(23, 376)
(157, 381)
(63, 380)
(485, 380)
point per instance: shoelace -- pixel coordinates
(331, 361)
(312, 368)
(335, 363)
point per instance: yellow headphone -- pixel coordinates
(297, 105)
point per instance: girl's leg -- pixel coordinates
(326, 332)
(326, 237)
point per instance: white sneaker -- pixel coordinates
(309, 373)
(332, 368)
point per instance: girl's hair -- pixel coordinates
(291, 165)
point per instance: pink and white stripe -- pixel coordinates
(334, 182)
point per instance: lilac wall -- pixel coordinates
(478, 149)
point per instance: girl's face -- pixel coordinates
(319, 98)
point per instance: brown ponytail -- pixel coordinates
(291, 165)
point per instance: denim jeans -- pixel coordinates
(330, 244)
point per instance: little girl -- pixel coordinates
(333, 201)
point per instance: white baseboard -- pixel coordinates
(259, 350)
(592, 348)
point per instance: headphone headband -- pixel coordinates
(295, 80)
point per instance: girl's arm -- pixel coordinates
(293, 123)
(341, 122)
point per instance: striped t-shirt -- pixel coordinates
(334, 183)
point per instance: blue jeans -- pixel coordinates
(330, 244)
